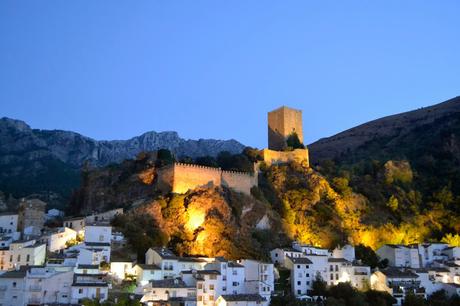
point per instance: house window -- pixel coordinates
(332, 276)
(298, 266)
(80, 290)
(200, 286)
(211, 297)
(11, 258)
(211, 287)
(331, 268)
(337, 276)
(307, 275)
(299, 292)
(199, 298)
(276, 254)
(235, 284)
(224, 288)
(101, 237)
(212, 276)
(235, 272)
(14, 284)
(28, 257)
(19, 258)
(308, 283)
(298, 283)
(336, 268)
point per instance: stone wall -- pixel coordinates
(278, 157)
(239, 181)
(179, 178)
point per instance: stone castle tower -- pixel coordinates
(282, 122)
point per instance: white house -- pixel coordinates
(97, 240)
(120, 269)
(453, 253)
(100, 233)
(310, 249)
(22, 253)
(171, 265)
(342, 271)
(106, 216)
(240, 300)
(92, 286)
(47, 285)
(146, 273)
(57, 240)
(208, 285)
(397, 282)
(232, 274)
(161, 291)
(400, 255)
(347, 252)
(430, 252)
(93, 255)
(53, 214)
(279, 255)
(8, 222)
(258, 278)
(12, 287)
(75, 223)
(302, 274)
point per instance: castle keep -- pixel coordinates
(282, 122)
(179, 178)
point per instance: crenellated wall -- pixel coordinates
(180, 178)
(239, 181)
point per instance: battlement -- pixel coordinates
(185, 165)
(181, 177)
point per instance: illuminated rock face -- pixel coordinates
(282, 122)
(180, 178)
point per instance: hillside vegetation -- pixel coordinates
(326, 206)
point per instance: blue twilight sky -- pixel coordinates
(212, 69)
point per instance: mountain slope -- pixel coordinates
(49, 161)
(388, 131)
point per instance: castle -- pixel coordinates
(282, 123)
(180, 177)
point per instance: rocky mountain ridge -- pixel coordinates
(72, 148)
(49, 161)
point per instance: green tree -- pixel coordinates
(319, 286)
(367, 255)
(293, 141)
(413, 300)
(164, 157)
(393, 203)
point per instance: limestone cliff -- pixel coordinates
(48, 161)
